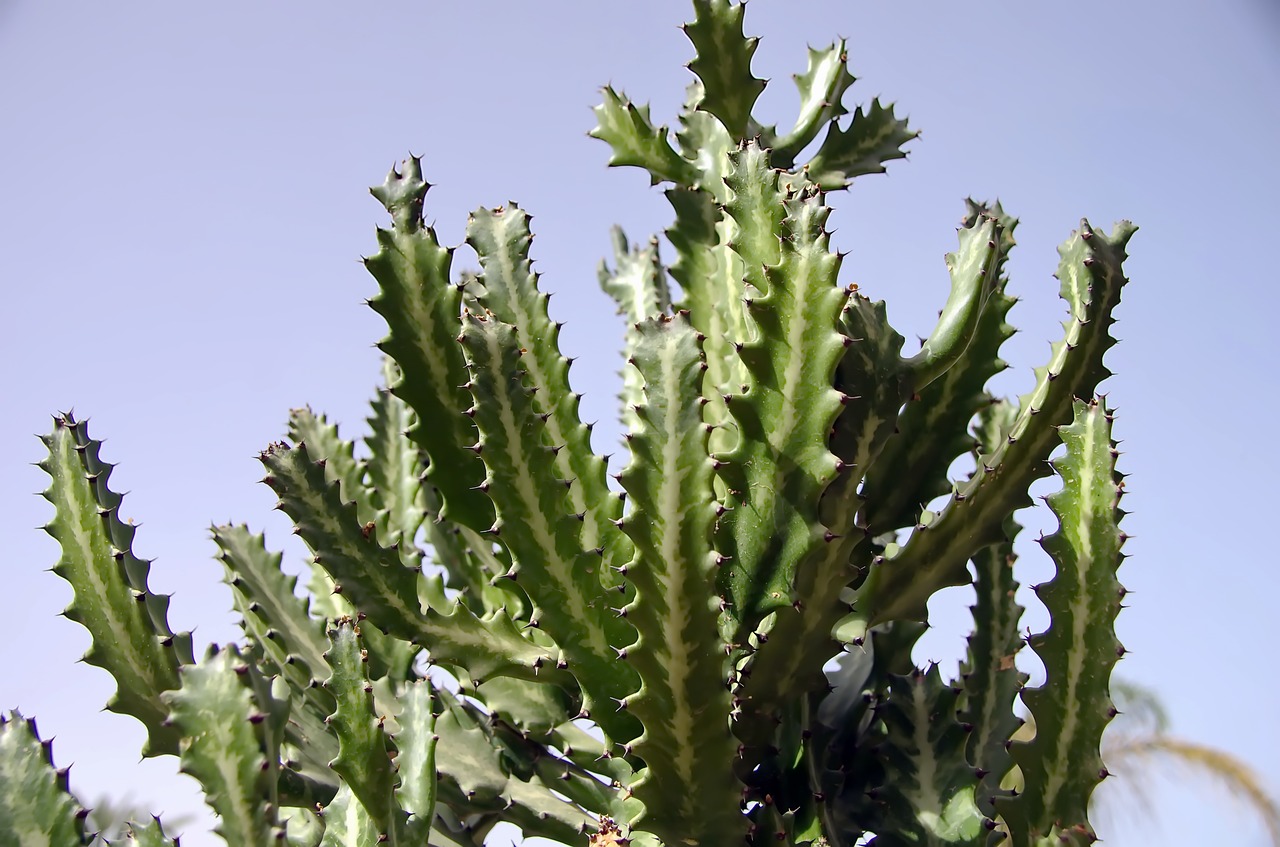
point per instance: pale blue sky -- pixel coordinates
(183, 205)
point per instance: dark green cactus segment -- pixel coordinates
(629, 130)
(324, 444)
(395, 467)
(36, 806)
(221, 747)
(1061, 766)
(974, 274)
(422, 307)
(501, 238)
(365, 753)
(416, 762)
(874, 136)
(1092, 277)
(928, 796)
(535, 523)
(378, 584)
(128, 624)
(683, 703)
(723, 64)
(932, 430)
(638, 284)
(990, 679)
(781, 464)
(822, 87)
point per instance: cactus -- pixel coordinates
(498, 633)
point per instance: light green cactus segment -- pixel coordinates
(378, 584)
(291, 641)
(822, 87)
(36, 807)
(324, 444)
(348, 824)
(683, 702)
(365, 754)
(149, 834)
(272, 614)
(711, 276)
(989, 678)
(706, 143)
(215, 713)
(874, 136)
(395, 467)
(933, 429)
(780, 465)
(629, 130)
(537, 526)
(1061, 766)
(273, 697)
(974, 275)
(128, 624)
(723, 64)
(303, 827)
(501, 238)
(638, 284)
(422, 307)
(416, 762)
(1092, 277)
(928, 785)
(477, 774)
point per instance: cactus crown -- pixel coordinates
(650, 659)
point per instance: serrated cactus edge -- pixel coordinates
(496, 631)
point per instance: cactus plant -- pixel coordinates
(716, 647)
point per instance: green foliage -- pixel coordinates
(499, 634)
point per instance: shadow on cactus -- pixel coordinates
(648, 660)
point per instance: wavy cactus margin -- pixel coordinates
(497, 633)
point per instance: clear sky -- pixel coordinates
(183, 205)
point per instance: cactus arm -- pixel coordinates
(221, 747)
(932, 430)
(36, 806)
(1092, 277)
(974, 273)
(131, 636)
(723, 64)
(325, 444)
(422, 309)
(683, 702)
(873, 137)
(780, 465)
(364, 758)
(629, 130)
(378, 584)
(928, 787)
(501, 238)
(536, 525)
(348, 824)
(638, 284)
(395, 466)
(416, 762)
(1061, 766)
(822, 87)
(989, 678)
(291, 641)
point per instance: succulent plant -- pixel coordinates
(715, 647)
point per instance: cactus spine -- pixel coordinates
(780, 445)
